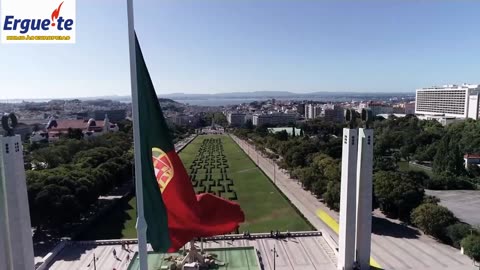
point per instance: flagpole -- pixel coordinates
(141, 223)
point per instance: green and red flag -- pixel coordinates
(173, 212)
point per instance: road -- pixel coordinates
(394, 246)
(183, 143)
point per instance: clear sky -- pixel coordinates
(204, 46)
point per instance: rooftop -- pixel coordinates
(234, 258)
(64, 124)
(452, 87)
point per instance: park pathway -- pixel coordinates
(394, 246)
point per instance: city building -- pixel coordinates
(410, 107)
(291, 131)
(181, 119)
(90, 128)
(236, 119)
(308, 111)
(470, 159)
(300, 109)
(404, 108)
(334, 114)
(113, 115)
(312, 111)
(39, 136)
(273, 119)
(448, 101)
(379, 108)
(387, 115)
(444, 120)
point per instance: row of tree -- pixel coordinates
(314, 159)
(66, 177)
(77, 172)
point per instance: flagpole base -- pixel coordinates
(196, 259)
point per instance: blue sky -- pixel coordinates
(203, 46)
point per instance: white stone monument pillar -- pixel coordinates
(364, 197)
(346, 243)
(4, 239)
(16, 245)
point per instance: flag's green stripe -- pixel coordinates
(153, 133)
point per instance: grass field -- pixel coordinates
(265, 207)
(406, 166)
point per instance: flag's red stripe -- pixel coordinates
(191, 216)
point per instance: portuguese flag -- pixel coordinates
(173, 212)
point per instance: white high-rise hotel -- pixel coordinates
(448, 102)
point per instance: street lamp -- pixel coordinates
(275, 255)
(94, 263)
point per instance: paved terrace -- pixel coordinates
(465, 204)
(300, 251)
(394, 246)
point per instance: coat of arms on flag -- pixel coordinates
(163, 168)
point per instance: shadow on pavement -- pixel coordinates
(381, 226)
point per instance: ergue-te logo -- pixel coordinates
(37, 21)
(12, 23)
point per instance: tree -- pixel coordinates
(319, 186)
(49, 202)
(75, 133)
(59, 193)
(249, 124)
(125, 126)
(430, 199)
(447, 181)
(426, 152)
(332, 195)
(432, 219)
(307, 177)
(281, 135)
(448, 158)
(333, 148)
(397, 194)
(381, 163)
(53, 156)
(420, 177)
(471, 246)
(456, 232)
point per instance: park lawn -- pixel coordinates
(406, 166)
(265, 207)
